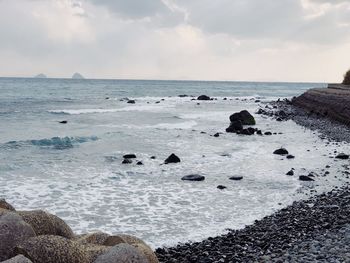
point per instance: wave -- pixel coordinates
(59, 143)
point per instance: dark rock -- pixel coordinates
(289, 156)
(244, 117)
(193, 177)
(172, 159)
(251, 130)
(153, 157)
(268, 133)
(131, 101)
(235, 126)
(290, 173)
(63, 122)
(279, 119)
(305, 178)
(126, 161)
(183, 96)
(281, 151)
(203, 97)
(259, 132)
(236, 178)
(245, 132)
(13, 230)
(221, 187)
(342, 156)
(129, 156)
(139, 163)
(216, 134)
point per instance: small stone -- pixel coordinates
(126, 161)
(305, 178)
(281, 151)
(129, 156)
(236, 178)
(193, 177)
(221, 187)
(172, 159)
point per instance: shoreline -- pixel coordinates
(287, 234)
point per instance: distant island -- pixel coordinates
(40, 76)
(77, 76)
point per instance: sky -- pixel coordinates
(243, 40)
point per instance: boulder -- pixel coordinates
(126, 161)
(244, 116)
(235, 126)
(203, 97)
(172, 159)
(216, 134)
(5, 205)
(342, 156)
(245, 132)
(52, 249)
(139, 163)
(193, 177)
(122, 253)
(289, 156)
(45, 223)
(98, 238)
(281, 151)
(129, 156)
(221, 187)
(236, 178)
(305, 178)
(18, 259)
(13, 230)
(290, 173)
(63, 122)
(131, 101)
(268, 133)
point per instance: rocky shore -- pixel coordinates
(313, 230)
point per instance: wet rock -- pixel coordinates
(290, 173)
(45, 223)
(236, 178)
(139, 163)
(131, 101)
(5, 205)
(235, 126)
(52, 249)
(203, 97)
(221, 187)
(281, 151)
(63, 122)
(183, 96)
(305, 178)
(342, 156)
(193, 177)
(216, 134)
(18, 259)
(13, 230)
(172, 159)
(126, 161)
(153, 157)
(122, 253)
(268, 133)
(244, 117)
(97, 238)
(245, 132)
(129, 156)
(289, 156)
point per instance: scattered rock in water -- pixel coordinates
(44, 223)
(139, 163)
(216, 134)
(126, 161)
(289, 156)
(244, 117)
(281, 151)
(172, 159)
(268, 133)
(18, 259)
(245, 132)
(305, 178)
(236, 178)
(153, 157)
(290, 173)
(221, 187)
(203, 97)
(183, 96)
(235, 126)
(52, 249)
(342, 156)
(129, 156)
(131, 101)
(5, 205)
(13, 230)
(63, 122)
(193, 177)
(122, 253)
(259, 132)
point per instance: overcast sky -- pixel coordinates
(257, 40)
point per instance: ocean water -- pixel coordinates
(74, 170)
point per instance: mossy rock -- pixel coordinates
(45, 223)
(52, 249)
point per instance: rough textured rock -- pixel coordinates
(13, 230)
(332, 102)
(98, 238)
(122, 253)
(18, 259)
(235, 126)
(52, 249)
(44, 223)
(5, 205)
(203, 97)
(172, 159)
(193, 177)
(244, 116)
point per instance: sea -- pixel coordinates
(75, 170)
